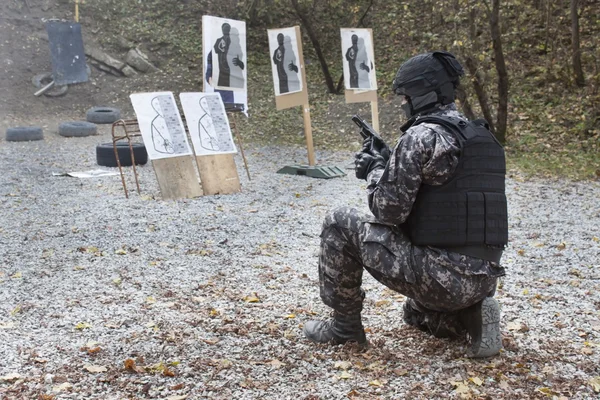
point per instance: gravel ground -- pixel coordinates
(103, 297)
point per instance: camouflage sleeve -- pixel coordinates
(426, 154)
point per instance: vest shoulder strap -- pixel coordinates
(463, 129)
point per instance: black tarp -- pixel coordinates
(66, 49)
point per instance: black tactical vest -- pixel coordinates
(468, 213)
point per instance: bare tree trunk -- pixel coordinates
(579, 78)
(462, 96)
(478, 85)
(473, 67)
(317, 45)
(502, 111)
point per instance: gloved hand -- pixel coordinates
(366, 162)
(375, 144)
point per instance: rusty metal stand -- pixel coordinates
(130, 129)
(239, 137)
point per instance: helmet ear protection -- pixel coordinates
(426, 80)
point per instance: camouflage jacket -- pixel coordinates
(425, 154)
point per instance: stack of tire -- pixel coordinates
(105, 152)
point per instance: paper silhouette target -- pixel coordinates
(283, 47)
(207, 123)
(160, 125)
(358, 59)
(225, 41)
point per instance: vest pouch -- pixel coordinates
(475, 217)
(496, 223)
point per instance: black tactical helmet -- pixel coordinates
(426, 80)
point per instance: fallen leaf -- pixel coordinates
(342, 365)
(345, 375)
(587, 351)
(7, 325)
(61, 387)
(95, 368)
(476, 381)
(121, 252)
(182, 397)
(562, 246)
(400, 372)
(382, 303)
(547, 391)
(17, 275)
(10, 377)
(82, 325)
(276, 363)
(251, 299)
(375, 383)
(521, 252)
(179, 386)
(462, 389)
(130, 366)
(595, 382)
(504, 385)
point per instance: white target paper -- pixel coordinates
(285, 60)
(207, 123)
(226, 40)
(358, 59)
(160, 124)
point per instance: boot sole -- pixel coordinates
(490, 341)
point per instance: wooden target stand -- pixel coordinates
(176, 176)
(301, 99)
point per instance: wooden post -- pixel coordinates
(300, 99)
(76, 10)
(375, 115)
(308, 134)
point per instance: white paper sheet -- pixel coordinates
(160, 124)
(285, 60)
(207, 123)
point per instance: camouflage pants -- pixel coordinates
(439, 281)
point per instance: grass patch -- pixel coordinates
(576, 165)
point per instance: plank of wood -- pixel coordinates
(218, 174)
(177, 177)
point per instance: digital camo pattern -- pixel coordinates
(440, 281)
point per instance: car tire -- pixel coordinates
(24, 134)
(103, 115)
(41, 80)
(105, 154)
(77, 129)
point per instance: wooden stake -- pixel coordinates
(239, 137)
(76, 10)
(375, 115)
(308, 134)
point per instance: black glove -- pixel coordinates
(375, 144)
(365, 162)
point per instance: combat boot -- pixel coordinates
(438, 324)
(482, 322)
(340, 329)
